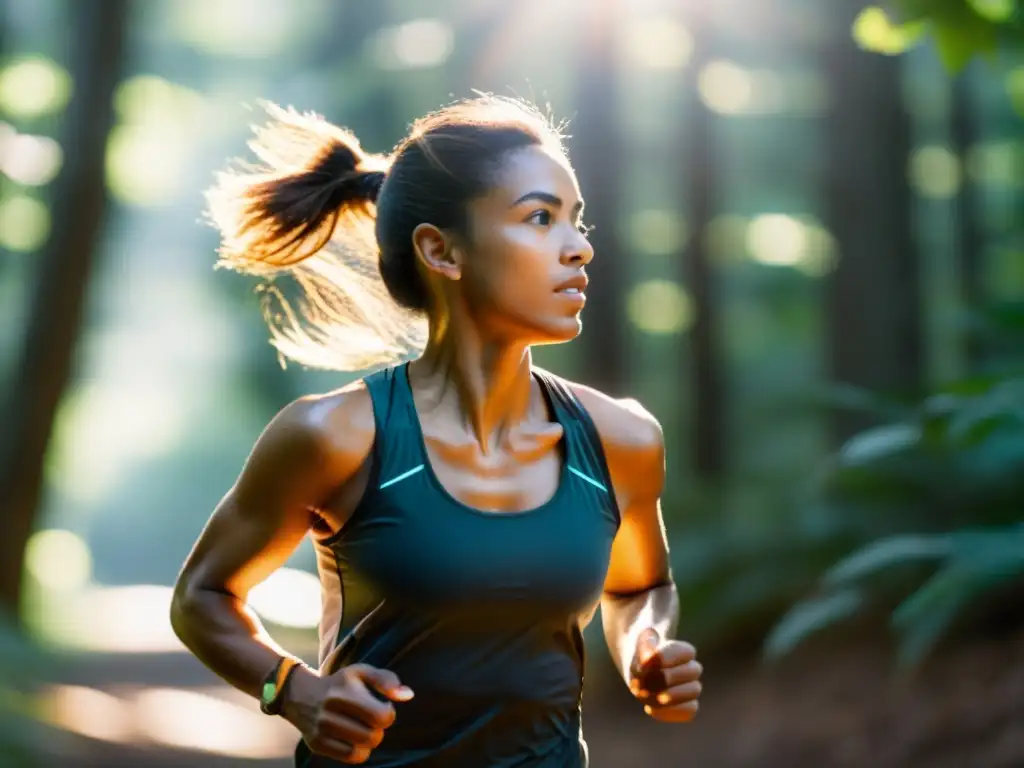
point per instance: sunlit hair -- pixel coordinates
(339, 221)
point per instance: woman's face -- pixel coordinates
(523, 277)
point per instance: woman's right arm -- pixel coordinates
(307, 452)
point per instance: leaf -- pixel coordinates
(924, 616)
(878, 442)
(895, 550)
(808, 617)
(958, 43)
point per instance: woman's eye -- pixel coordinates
(543, 218)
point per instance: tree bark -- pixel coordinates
(598, 151)
(55, 312)
(873, 298)
(968, 238)
(704, 366)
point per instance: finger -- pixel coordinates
(383, 680)
(647, 646)
(357, 702)
(352, 731)
(680, 713)
(678, 694)
(684, 673)
(339, 750)
(646, 652)
(674, 654)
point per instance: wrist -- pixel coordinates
(302, 694)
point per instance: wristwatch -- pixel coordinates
(271, 693)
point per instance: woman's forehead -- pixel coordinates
(536, 168)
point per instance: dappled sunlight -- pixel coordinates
(416, 44)
(200, 722)
(33, 87)
(209, 721)
(27, 159)
(658, 232)
(58, 560)
(89, 712)
(288, 598)
(935, 172)
(242, 28)
(24, 223)
(657, 42)
(659, 307)
(997, 162)
(731, 89)
(155, 101)
(130, 619)
(145, 164)
(102, 432)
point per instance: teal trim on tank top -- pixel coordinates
(402, 476)
(589, 479)
(421, 467)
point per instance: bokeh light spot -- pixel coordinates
(935, 172)
(24, 223)
(34, 87)
(288, 598)
(725, 87)
(658, 232)
(144, 164)
(659, 307)
(657, 42)
(874, 31)
(59, 560)
(416, 44)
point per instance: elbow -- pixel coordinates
(184, 611)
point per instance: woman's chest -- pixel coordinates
(422, 548)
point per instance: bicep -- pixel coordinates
(639, 556)
(268, 511)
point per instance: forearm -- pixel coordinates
(226, 636)
(625, 617)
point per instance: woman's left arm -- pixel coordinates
(640, 605)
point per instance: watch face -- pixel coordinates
(269, 689)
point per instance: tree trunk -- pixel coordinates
(598, 151)
(872, 300)
(55, 313)
(704, 366)
(968, 240)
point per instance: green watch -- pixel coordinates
(271, 694)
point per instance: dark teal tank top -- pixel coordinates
(478, 612)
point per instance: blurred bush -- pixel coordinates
(22, 666)
(943, 488)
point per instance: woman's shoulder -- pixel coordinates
(335, 428)
(620, 419)
(624, 424)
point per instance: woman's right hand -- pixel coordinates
(338, 715)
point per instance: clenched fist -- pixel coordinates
(338, 715)
(665, 676)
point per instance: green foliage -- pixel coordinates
(960, 29)
(947, 479)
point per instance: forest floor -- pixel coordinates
(841, 709)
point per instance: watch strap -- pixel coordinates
(271, 693)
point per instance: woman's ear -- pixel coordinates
(436, 251)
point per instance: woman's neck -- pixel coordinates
(485, 386)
